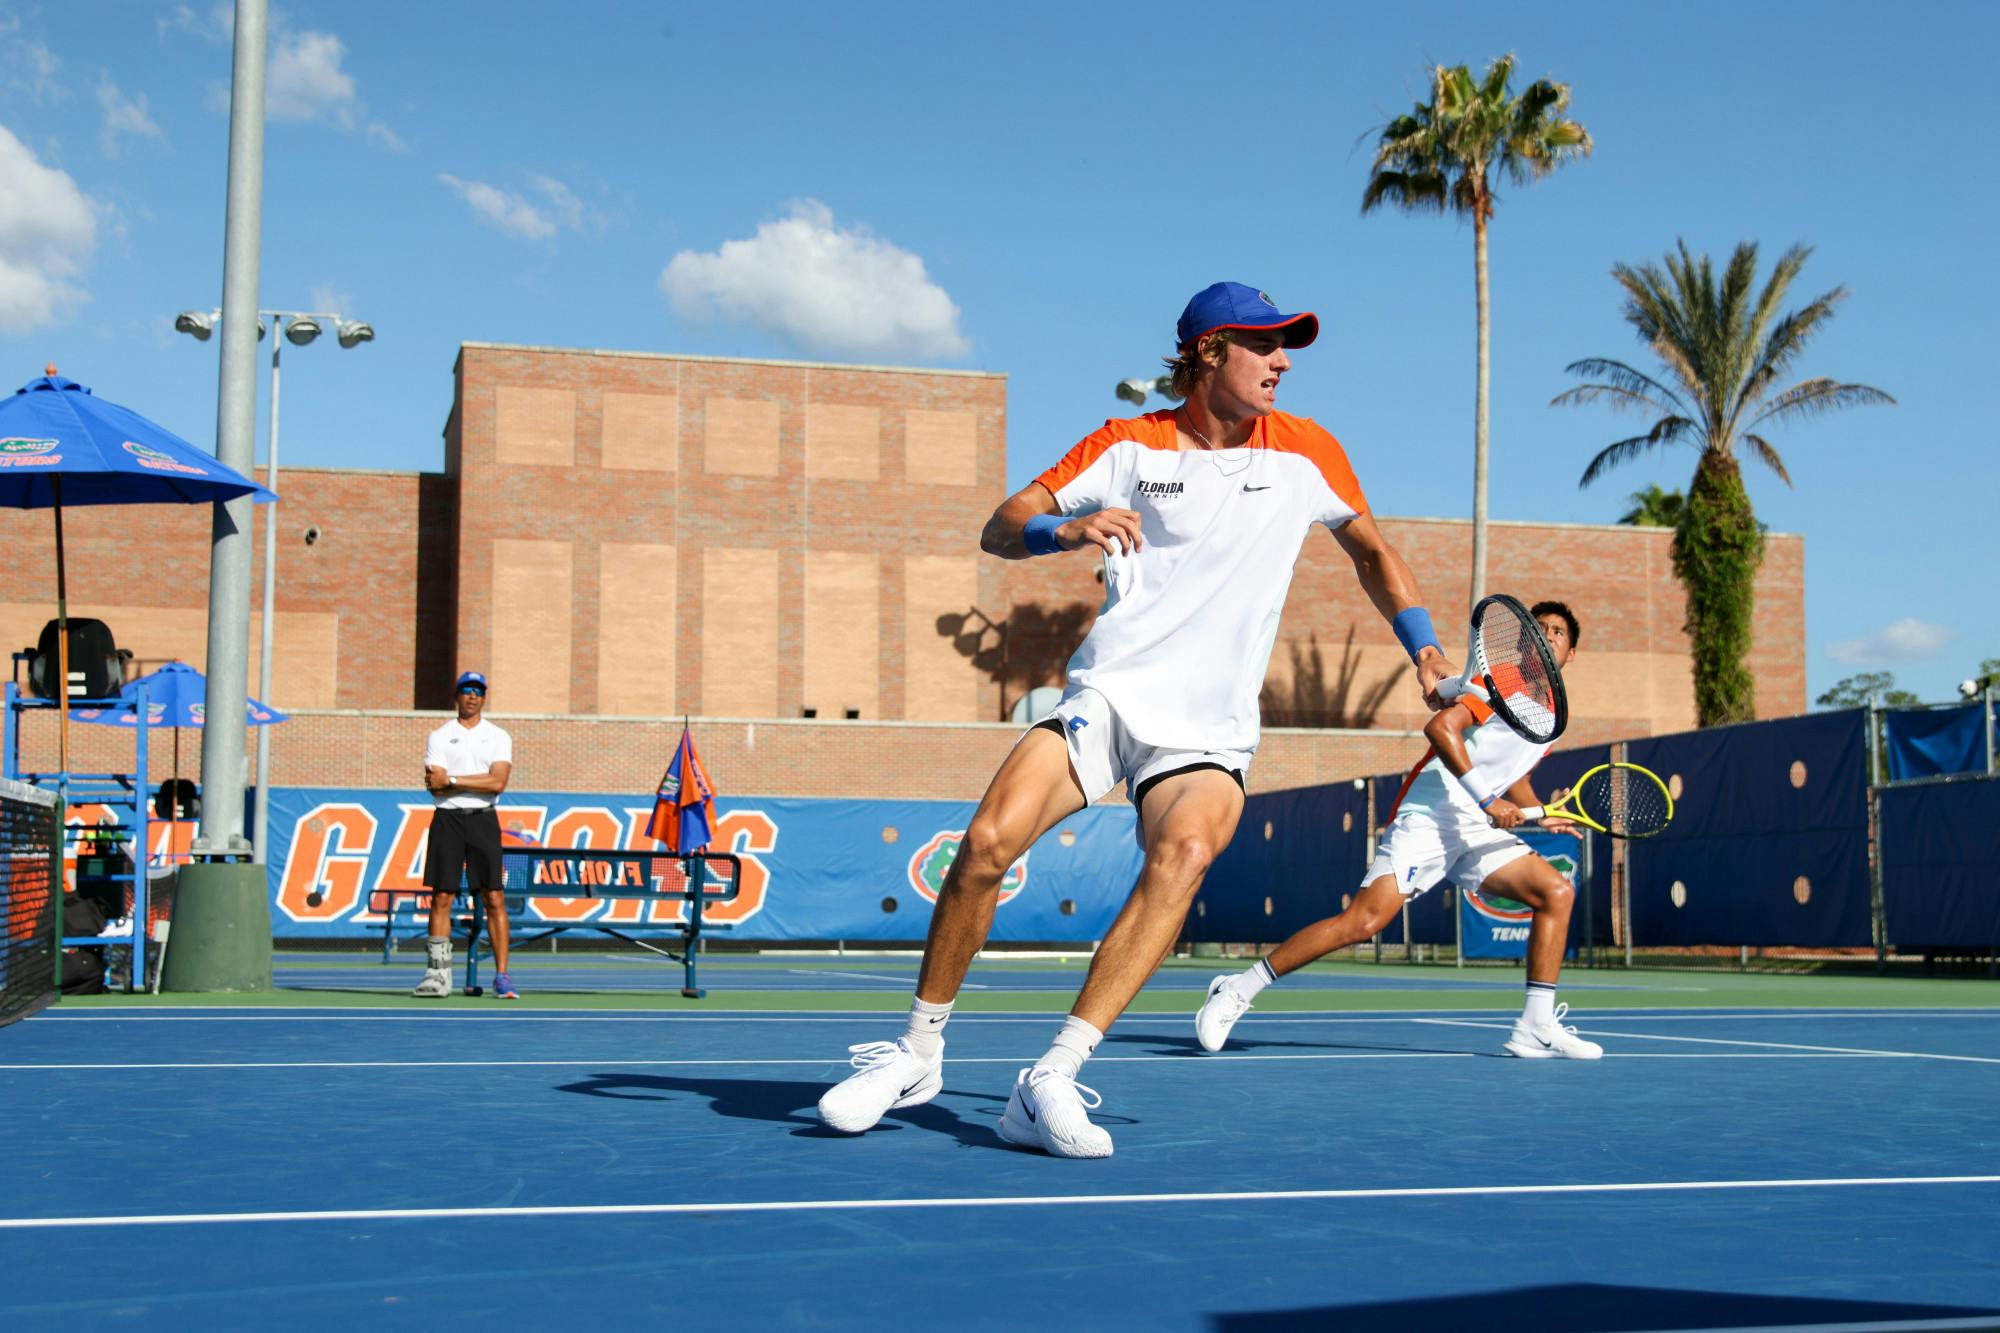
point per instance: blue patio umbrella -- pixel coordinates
(176, 696)
(60, 445)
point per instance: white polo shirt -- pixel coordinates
(467, 752)
(1188, 621)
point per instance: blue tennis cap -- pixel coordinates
(1231, 305)
(471, 680)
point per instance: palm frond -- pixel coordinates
(1626, 380)
(1817, 397)
(1761, 450)
(1413, 192)
(1667, 430)
(1786, 343)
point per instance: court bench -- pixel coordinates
(583, 884)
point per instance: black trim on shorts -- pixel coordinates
(1139, 797)
(463, 844)
(1053, 724)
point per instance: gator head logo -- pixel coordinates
(929, 862)
(159, 460)
(18, 446)
(1496, 908)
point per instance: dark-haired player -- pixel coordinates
(1450, 821)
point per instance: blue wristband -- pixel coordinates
(1038, 534)
(1413, 630)
(1489, 800)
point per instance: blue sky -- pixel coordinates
(1036, 189)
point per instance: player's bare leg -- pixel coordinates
(1034, 791)
(1187, 820)
(1539, 1034)
(1229, 996)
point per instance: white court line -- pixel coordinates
(1724, 1041)
(991, 1201)
(316, 1014)
(871, 976)
(824, 1062)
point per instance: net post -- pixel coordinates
(56, 887)
(1878, 923)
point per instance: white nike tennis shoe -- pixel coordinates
(436, 983)
(1051, 1111)
(1219, 1013)
(1551, 1041)
(888, 1074)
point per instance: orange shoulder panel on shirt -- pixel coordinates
(1306, 437)
(1155, 430)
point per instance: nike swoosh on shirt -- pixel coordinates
(1256, 488)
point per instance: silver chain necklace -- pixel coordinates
(1188, 421)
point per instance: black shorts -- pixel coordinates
(467, 842)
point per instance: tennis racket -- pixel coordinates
(1622, 800)
(1510, 667)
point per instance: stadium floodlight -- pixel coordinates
(201, 324)
(1134, 391)
(302, 330)
(353, 332)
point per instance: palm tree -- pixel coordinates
(1724, 351)
(1654, 508)
(1441, 157)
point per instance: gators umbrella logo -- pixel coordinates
(159, 460)
(929, 862)
(19, 451)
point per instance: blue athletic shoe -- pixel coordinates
(503, 989)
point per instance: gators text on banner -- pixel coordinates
(812, 869)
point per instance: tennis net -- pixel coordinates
(30, 851)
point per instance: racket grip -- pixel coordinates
(1531, 813)
(1456, 685)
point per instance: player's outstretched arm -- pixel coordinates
(1028, 523)
(1393, 589)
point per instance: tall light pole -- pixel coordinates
(300, 328)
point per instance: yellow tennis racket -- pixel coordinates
(1621, 800)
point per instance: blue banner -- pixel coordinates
(812, 869)
(1941, 865)
(1494, 927)
(1935, 742)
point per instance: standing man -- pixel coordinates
(1199, 513)
(467, 762)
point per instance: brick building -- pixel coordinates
(624, 538)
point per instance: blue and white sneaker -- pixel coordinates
(1051, 1111)
(503, 988)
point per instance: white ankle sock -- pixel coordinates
(437, 953)
(925, 1033)
(1541, 1005)
(1072, 1047)
(1247, 984)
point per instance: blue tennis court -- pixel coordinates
(1722, 1167)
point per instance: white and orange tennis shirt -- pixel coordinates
(1500, 758)
(1181, 643)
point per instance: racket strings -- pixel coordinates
(1519, 670)
(1625, 801)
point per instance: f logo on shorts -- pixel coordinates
(1412, 875)
(1078, 723)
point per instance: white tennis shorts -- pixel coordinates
(1104, 753)
(1419, 852)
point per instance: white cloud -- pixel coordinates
(123, 117)
(29, 69)
(388, 138)
(47, 229)
(519, 216)
(1906, 640)
(218, 25)
(304, 80)
(329, 299)
(838, 290)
